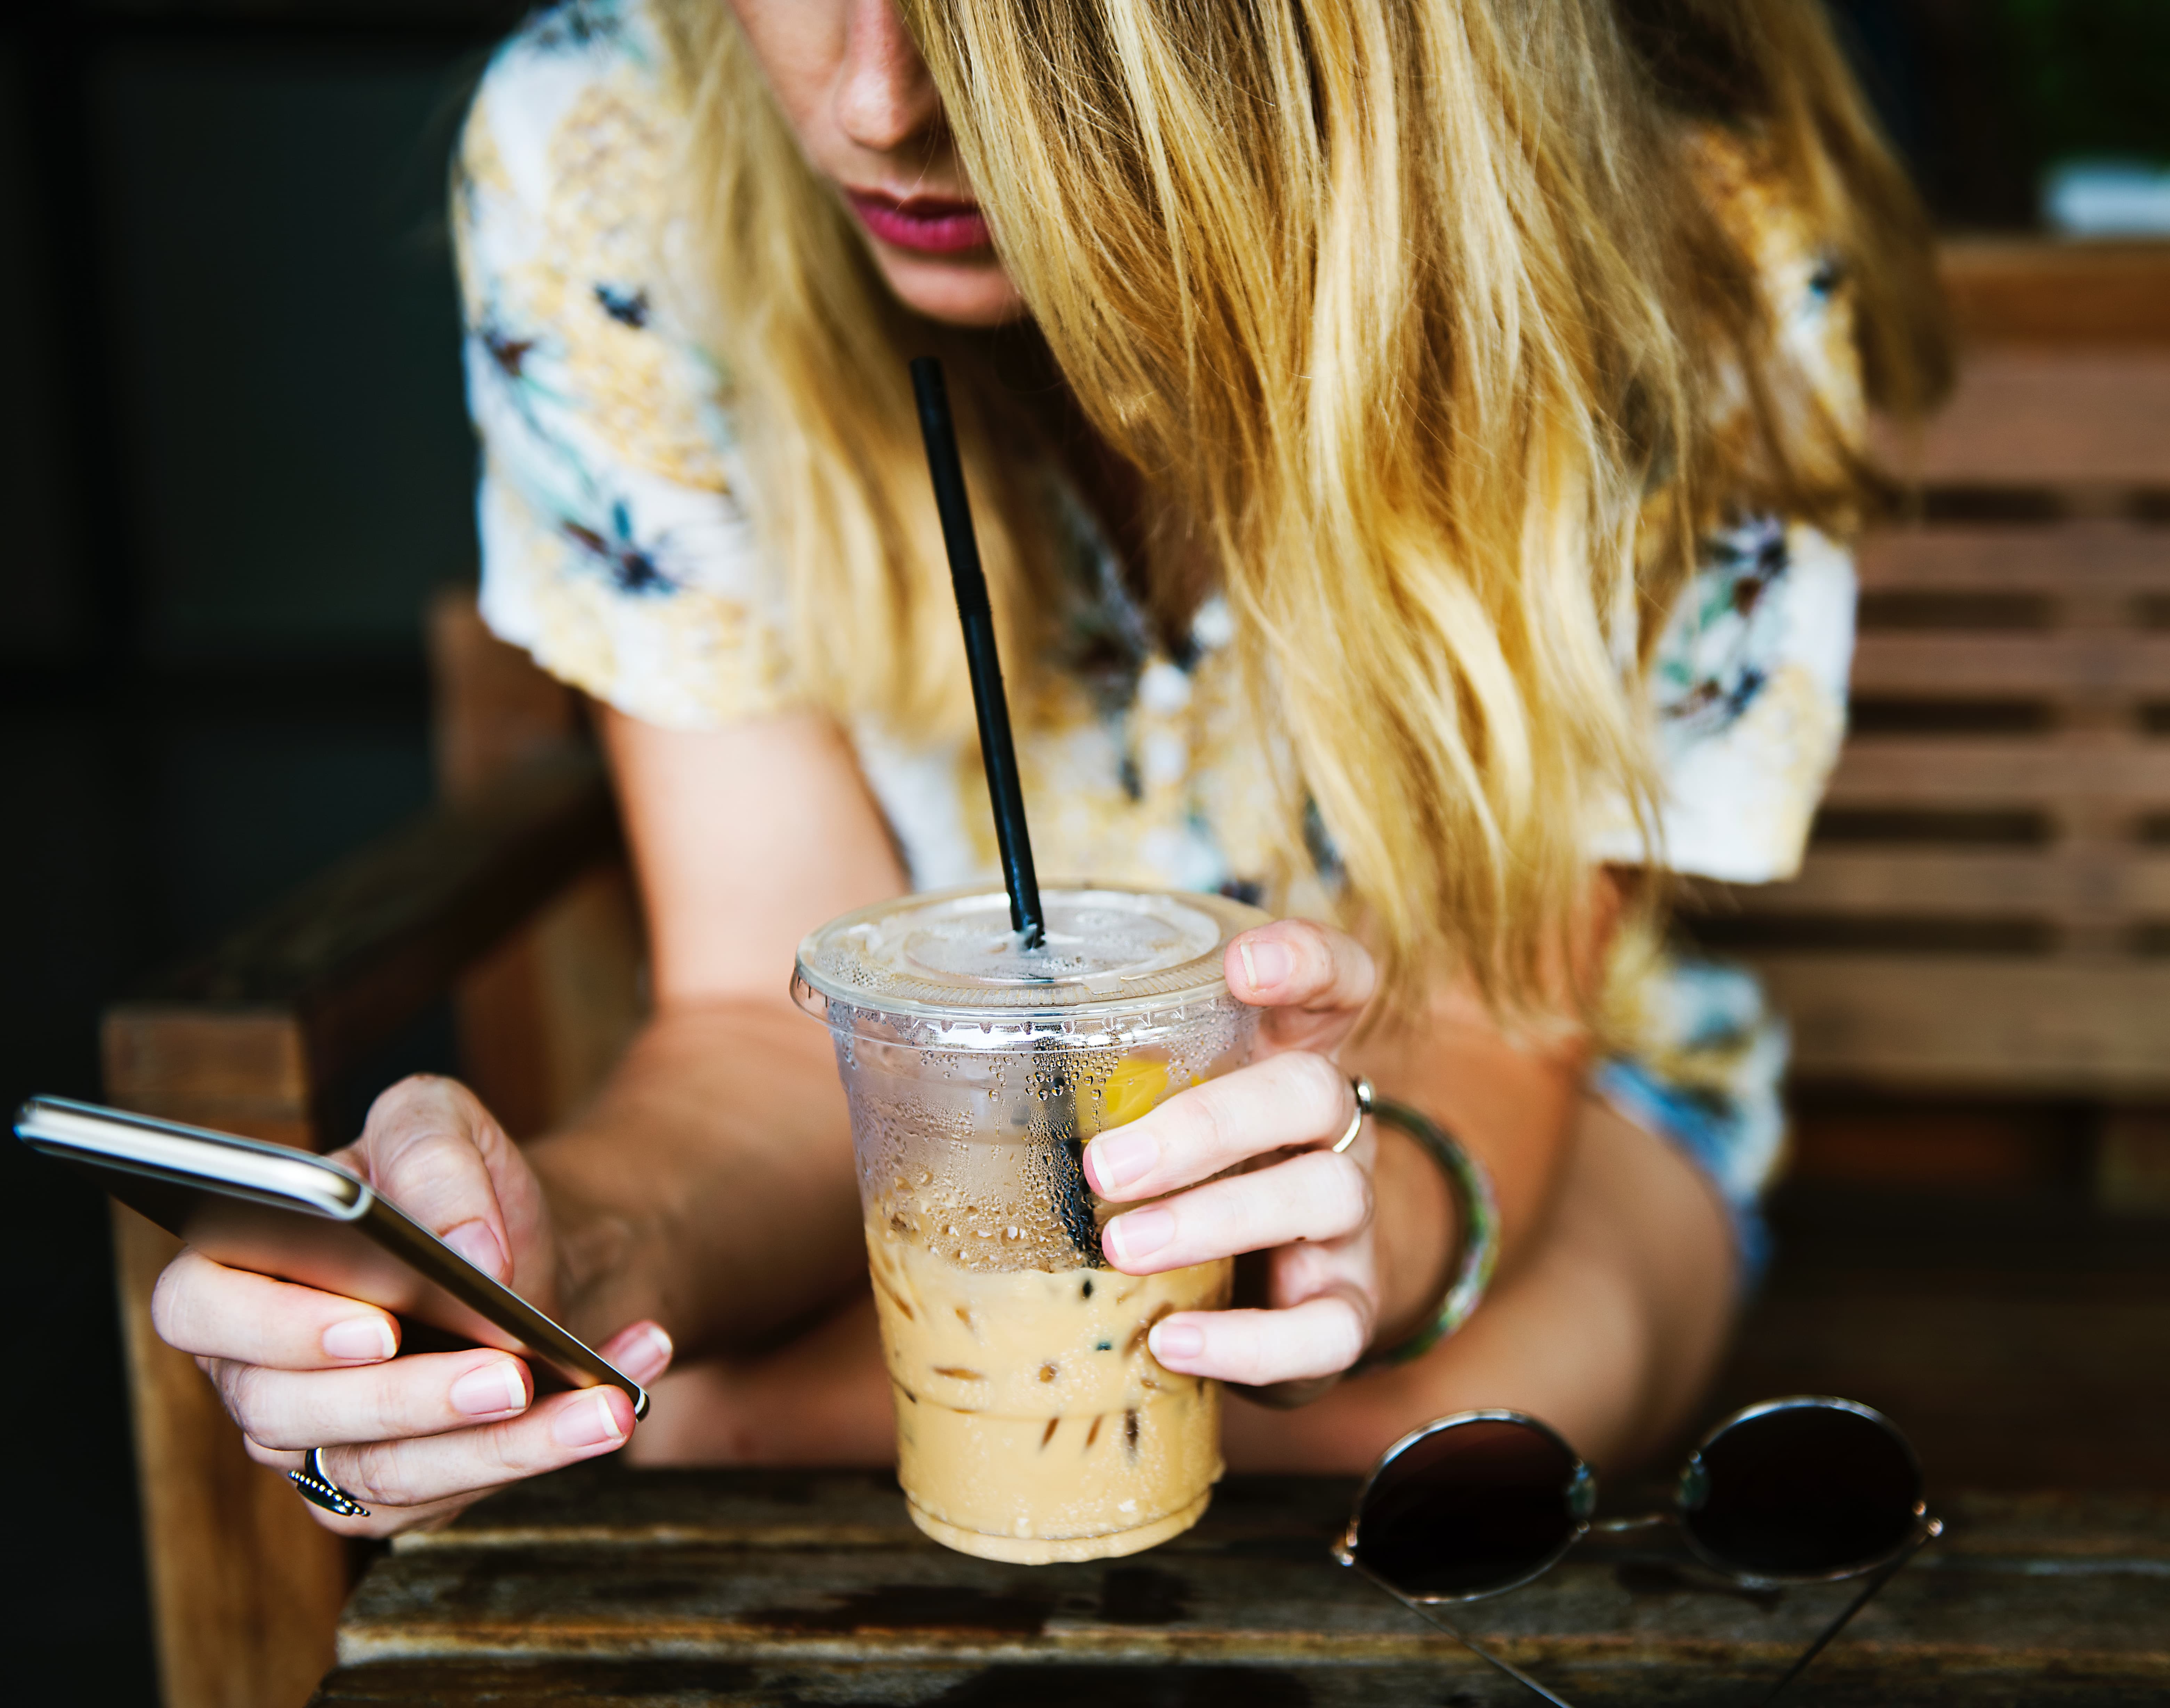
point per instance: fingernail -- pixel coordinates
(1264, 964)
(1120, 1157)
(474, 1241)
(493, 1388)
(647, 1354)
(589, 1423)
(359, 1338)
(1140, 1233)
(1176, 1341)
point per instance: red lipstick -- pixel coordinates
(927, 225)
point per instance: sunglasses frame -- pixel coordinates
(1748, 1414)
(1580, 1496)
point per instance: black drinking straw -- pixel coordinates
(996, 750)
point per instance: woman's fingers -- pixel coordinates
(394, 1478)
(1291, 1099)
(642, 1351)
(1313, 1211)
(1315, 1197)
(430, 1394)
(293, 1411)
(1313, 981)
(425, 1147)
(1322, 1337)
(205, 1309)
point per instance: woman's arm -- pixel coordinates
(710, 1185)
(709, 1189)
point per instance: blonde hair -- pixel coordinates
(1392, 305)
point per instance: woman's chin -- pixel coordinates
(956, 290)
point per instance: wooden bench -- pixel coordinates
(513, 897)
(662, 1587)
(1986, 906)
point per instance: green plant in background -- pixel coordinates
(2091, 76)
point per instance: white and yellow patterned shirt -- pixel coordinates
(616, 550)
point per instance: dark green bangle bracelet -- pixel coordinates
(1471, 1188)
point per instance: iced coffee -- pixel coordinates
(1034, 1423)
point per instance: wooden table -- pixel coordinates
(648, 1588)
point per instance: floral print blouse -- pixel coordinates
(616, 551)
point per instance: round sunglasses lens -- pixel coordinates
(1803, 1492)
(1467, 1509)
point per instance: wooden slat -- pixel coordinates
(1441, 1676)
(1928, 665)
(2088, 419)
(246, 1062)
(2026, 290)
(1977, 1023)
(2065, 557)
(1947, 883)
(1976, 773)
(771, 1573)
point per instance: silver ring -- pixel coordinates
(318, 1490)
(1362, 1087)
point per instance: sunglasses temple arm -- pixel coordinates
(1929, 1531)
(1477, 1649)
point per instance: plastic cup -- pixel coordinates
(1034, 1423)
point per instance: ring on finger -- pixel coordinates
(318, 1490)
(1362, 1087)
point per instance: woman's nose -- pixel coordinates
(885, 98)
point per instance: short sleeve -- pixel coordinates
(613, 548)
(1748, 695)
(1748, 680)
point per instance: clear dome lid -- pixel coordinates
(951, 954)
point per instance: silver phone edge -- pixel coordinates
(45, 1124)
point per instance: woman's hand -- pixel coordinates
(1311, 1211)
(413, 1440)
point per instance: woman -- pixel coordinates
(1410, 442)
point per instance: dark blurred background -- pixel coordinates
(233, 461)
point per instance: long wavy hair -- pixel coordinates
(1408, 316)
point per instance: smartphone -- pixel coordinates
(282, 1213)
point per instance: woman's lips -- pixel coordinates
(924, 224)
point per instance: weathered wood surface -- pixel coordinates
(801, 1587)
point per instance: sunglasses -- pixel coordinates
(1807, 1490)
